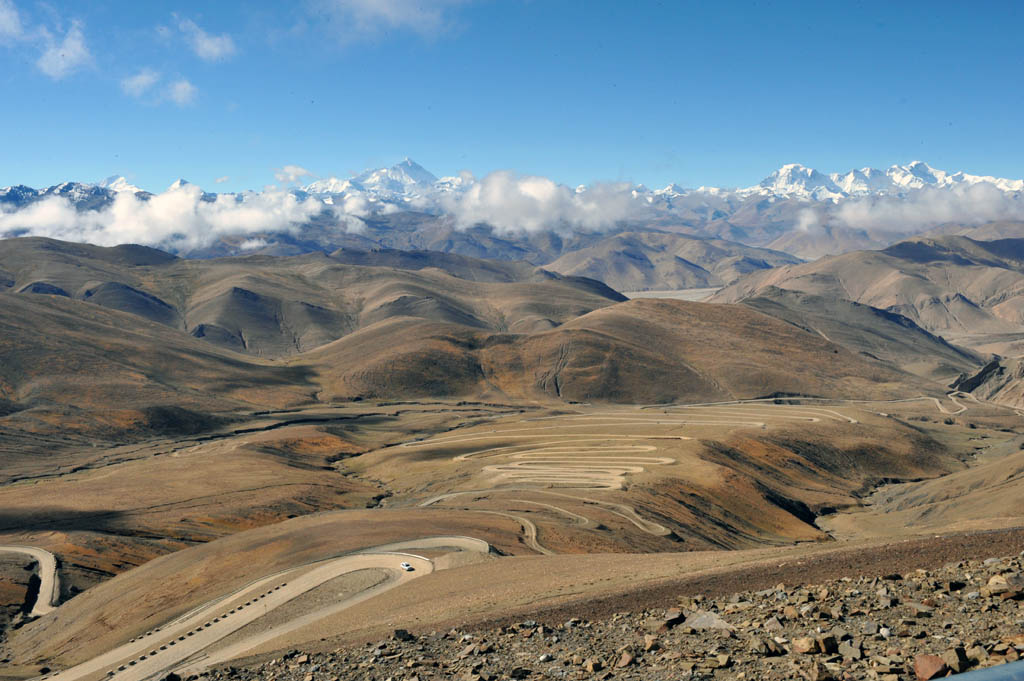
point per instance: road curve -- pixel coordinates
(49, 582)
(181, 643)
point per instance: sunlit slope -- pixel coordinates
(278, 306)
(946, 285)
(635, 261)
(870, 331)
(637, 351)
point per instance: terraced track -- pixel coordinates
(567, 460)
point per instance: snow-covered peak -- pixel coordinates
(671, 190)
(795, 181)
(415, 171)
(76, 192)
(399, 178)
(999, 182)
(798, 181)
(118, 183)
(333, 185)
(863, 181)
(180, 183)
(915, 175)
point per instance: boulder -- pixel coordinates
(928, 667)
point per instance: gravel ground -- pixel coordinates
(817, 619)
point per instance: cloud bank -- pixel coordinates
(920, 210)
(178, 219)
(516, 203)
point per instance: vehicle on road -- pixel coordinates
(405, 566)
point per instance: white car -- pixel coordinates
(406, 567)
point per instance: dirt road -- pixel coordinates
(182, 643)
(49, 586)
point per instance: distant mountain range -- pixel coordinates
(412, 183)
(408, 185)
(796, 210)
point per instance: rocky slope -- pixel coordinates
(1000, 381)
(921, 624)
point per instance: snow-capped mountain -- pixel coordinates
(18, 195)
(118, 183)
(863, 181)
(790, 201)
(794, 181)
(399, 178)
(403, 179)
(409, 186)
(333, 185)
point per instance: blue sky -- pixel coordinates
(652, 92)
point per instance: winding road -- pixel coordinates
(565, 460)
(182, 645)
(568, 460)
(549, 460)
(49, 581)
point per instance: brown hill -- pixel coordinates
(952, 286)
(640, 351)
(78, 375)
(362, 331)
(277, 306)
(639, 261)
(872, 332)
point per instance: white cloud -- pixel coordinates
(207, 46)
(252, 244)
(925, 208)
(222, 180)
(182, 92)
(11, 28)
(513, 203)
(291, 173)
(353, 20)
(62, 59)
(178, 219)
(141, 83)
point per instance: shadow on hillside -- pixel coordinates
(45, 519)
